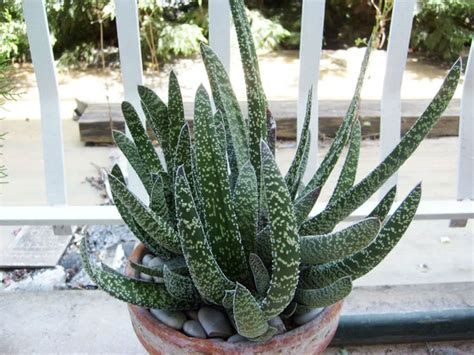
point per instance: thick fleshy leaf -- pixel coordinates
(156, 227)
(175, 112)
(158, 201)
(221, 225)
(357, 195)
(349, 169)
(260, 274)
(207, 276)
(246, 206)
(271, 331)
(320, 249)
(138, 292)
(304, 205)
(156, 113)
(383, 208)
(363, 261)
(342, 134)
(177, 265)
(179, 286)
(184, 155)
(298, 165)
(255, 95)
(284, 238)
(227, 103)
(151, 243)
(143, 143)
(228, 300)
(264, 246)
(249, 319)
(128, 148)
(326, 296)
(271, 132)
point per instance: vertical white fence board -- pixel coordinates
(131, 66)
(219, 30)
(390, 105)
(52, 137)
(466, 134)
(311, 40)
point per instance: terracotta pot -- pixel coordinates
(157, 338)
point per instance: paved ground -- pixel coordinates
(92, 322)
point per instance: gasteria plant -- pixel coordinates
(231, 230)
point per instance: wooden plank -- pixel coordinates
(131, 67)
(311, 39)
(45, 72)
(219, 30)
(94, 215)
(94, 123)
(390, 105)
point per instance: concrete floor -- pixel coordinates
(91, 322)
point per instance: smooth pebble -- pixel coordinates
(171, 319)
(236, 338)
(308, 316)
(158, 279)
(192, 315)
(215, 323)
(155, 262)
(277, 323)
(194, 329)
(146, 259)
(145, 277)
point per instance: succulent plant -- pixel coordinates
(230, 229)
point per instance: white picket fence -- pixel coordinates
(58, 212)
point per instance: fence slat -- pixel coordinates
(219, 30)
(51, 129)
(466, 134)
(131, 67)
(311, 40)
(390, 105)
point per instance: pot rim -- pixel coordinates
(176, 337)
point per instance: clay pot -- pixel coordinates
(157, 338)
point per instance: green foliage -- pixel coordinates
(443, 28)
(231, 230)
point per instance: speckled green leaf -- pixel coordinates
(357, 195)
(383, 208)
(207, 276)
(326, 296)
(320, 249)
(255, 95)
(342, 134)
(304, 204)
(264, 246)
(298, 165)
(156, 227)
(143, 143)
(141, 293)
(156, 113)
(158, 201)
(128, 148)
(349, 169)
(248, 316)
(271, 331)
(179, 286)
(152, 244)
(221, 225)
(228, 300)
(246, 206)
(175, 112)
(227, 103)
(363, 261)
(271, 132)
(85, 257)
(177, 265)
(260, 274)
(284, 238)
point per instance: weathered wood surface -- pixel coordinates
(97, 119)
